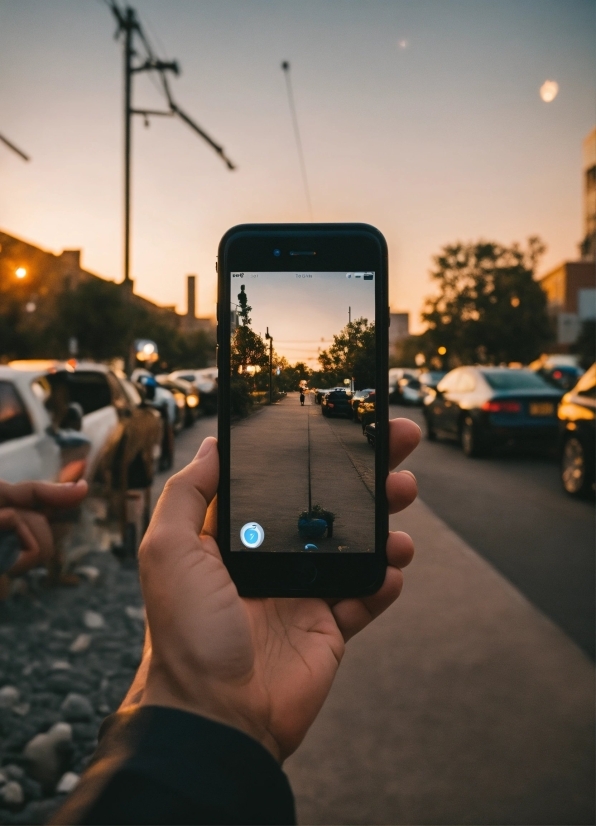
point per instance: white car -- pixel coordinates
(205, 380)
(31, 448)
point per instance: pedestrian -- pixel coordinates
(227, 686)
(302, 396)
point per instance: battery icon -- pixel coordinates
(368, 276)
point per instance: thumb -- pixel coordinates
(180, 511)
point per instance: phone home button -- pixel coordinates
(305, 572)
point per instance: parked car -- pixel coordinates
(205, 381)
(336, 403)
(357, 397)
(360, 405)
(577, 413)
(32, 446)
(430, 379)
(395, 375)
(186, 394)
(486, 406)
(562, 370)
(410, 391)
(171, 416)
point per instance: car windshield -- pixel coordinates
(514, 380)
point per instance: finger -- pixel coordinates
(180, 512)
(404, 435)
(352, 615)
(42, 494)
(39, 527)
(401, 489)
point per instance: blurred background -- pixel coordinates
(131, 139)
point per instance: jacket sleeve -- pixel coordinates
(157, 765)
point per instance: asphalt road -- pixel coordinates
(511, 509)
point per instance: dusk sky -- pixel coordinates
(422, 118)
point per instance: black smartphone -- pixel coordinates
(303, 316)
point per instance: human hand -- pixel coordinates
(264, 666)
(25, 509)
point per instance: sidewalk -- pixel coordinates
(462, 704)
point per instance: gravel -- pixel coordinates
(67, 658)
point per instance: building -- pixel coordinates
(399, 328)
(39, 277)
(571, 286)
(588, 245)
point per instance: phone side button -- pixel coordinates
(305, 572)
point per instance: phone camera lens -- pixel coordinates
(277, 253)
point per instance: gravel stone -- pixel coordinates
(67, 782)
(77, 709)
(9, 696)
(93, 620)
(12, 794)
(48, 754)
(14, 772)
(81, 644)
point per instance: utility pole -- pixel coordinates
(270, 338)
(128, 23)
(349, 315)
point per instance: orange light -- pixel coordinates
(442, 351)
(20, 272)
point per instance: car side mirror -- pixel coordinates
(73, 418)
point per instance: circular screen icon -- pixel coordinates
(252, 535)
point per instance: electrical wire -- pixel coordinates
(286, 70)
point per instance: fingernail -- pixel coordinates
(206, 447)
(409, 472)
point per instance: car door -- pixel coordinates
(444, 407)
(26, 453)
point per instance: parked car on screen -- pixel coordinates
(370, 433)
(32, 447)
(483, 407)
(336, 403)
(395, 375)
(205, 380)
(366, 410)
(577, 413)
(357, 397)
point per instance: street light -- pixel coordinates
(270, 339)
(20, 272)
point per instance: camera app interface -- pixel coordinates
(303, 412)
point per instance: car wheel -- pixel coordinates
(575, 474)
(470, 441)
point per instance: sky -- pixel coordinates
(420, 117)
(303, 311)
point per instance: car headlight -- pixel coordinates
(180, 399)
(192, 400)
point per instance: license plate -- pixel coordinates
(542, 409)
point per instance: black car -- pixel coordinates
(180, 388)
(357, 397)
(577, 414)
(486, 406)
(337, 403)
(370, 433)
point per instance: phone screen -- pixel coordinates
(302, 398)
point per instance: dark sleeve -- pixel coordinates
(158, 765)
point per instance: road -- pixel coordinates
(512, 511)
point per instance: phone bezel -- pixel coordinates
(338, 246)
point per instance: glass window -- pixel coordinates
(515, 380)
(90, 389)
(14, 419)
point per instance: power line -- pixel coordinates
(14, 148)
(286, 70)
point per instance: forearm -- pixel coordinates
(159, 765)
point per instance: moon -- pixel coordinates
(549, 90)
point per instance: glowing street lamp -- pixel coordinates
(442, 351)
(20, 272)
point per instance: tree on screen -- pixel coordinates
(352, 355)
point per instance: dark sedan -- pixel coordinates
(577, 414)
(483, 407)
(337, 403)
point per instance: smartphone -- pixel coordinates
(303, 318)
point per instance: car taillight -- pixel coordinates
(501, 407)
(330, 404)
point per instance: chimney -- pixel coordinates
(191, 296)
(72, 259)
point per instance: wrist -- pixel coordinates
(157, 694)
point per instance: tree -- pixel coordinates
(352, 354)
(489, 309)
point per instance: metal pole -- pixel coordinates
(270, 366)
(129, 24)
